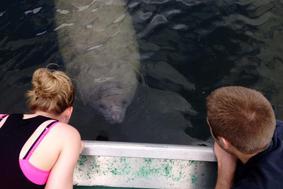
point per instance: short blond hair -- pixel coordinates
(241, 115)
(52, 91)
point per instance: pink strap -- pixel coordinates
(32, 173)
(39, 139)
(3, 116)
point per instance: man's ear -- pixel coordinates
(224, 143)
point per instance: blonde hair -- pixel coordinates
(241, 115)
(52, 91)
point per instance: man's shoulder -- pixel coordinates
(279, 128)
(246, 183)
(260, 176)
(279, 123)
(264, 169)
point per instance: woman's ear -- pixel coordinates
(70, 111)
(66, 115)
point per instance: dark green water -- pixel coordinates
(187, 48)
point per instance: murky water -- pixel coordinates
(187, 48)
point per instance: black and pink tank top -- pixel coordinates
(15, 173)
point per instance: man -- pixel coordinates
(248, 140)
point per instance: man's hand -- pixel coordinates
(226, 167)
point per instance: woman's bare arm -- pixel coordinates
(61, 175)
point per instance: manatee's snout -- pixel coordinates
(113, 113)
(112, 103)
(117, 117)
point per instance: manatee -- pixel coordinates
(98, 45)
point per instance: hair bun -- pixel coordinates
(45, 83)
(52, 91)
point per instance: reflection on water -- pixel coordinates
(186, 47)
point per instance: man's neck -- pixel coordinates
(244, 158)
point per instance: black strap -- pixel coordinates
(49, 125)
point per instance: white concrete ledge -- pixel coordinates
(146, 150)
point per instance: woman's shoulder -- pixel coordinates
(67, 131)
(72, 140)
(69, 136)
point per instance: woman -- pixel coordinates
(40, 149)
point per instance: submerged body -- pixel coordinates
(99, 48)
